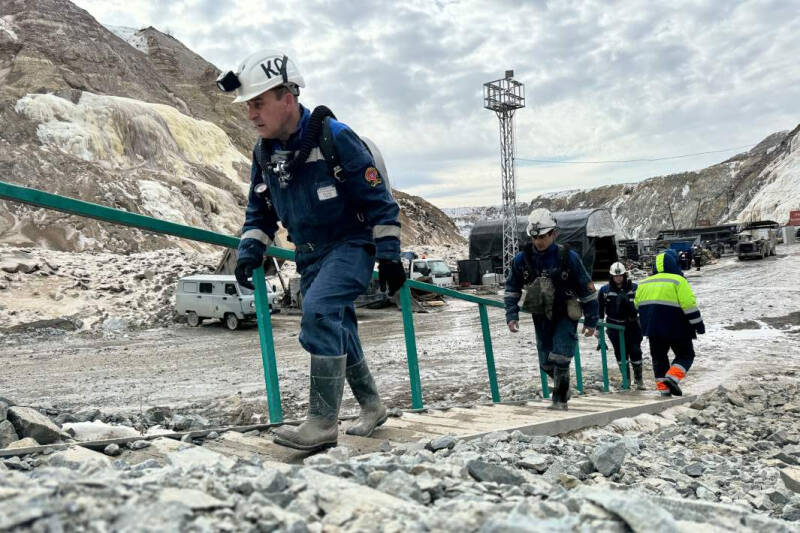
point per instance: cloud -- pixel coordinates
(604, 80)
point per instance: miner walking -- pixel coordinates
(318, 178)
(670, 321)
(558, 290)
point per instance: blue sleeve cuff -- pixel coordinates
(388, 248)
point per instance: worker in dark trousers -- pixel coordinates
(670, 320)
(558, 291)
(327, 191)
(616, 300)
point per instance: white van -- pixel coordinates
(218, 296)
(436, 269)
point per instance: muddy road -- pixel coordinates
(750, 311)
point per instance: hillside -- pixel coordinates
(132, 122)
(762, 183)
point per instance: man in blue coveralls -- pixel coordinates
(558, 291)
(341, 216)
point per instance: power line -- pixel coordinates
(646, 160)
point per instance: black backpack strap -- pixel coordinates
(530, 273)
(563, 256)
(328, 150)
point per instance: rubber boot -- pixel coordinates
(673, 387)
(321, 428)
(560, 389)
(662, 389)
(637, 377)
(373, 413)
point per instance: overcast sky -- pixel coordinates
(604, 80)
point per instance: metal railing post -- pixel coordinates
(578, 368)
(267, 347)
(487, 347)
(603, 359)
(545, 387)
(625, 382)
(411, 347)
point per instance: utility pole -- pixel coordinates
(669, 206)
(697, 212)
(504, 96)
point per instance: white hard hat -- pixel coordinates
(617, 269)
(540, 221)
(259, 72)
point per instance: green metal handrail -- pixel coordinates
(73, 206)
(411, 344)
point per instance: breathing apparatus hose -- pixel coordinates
(310, 137)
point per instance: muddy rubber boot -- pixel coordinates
(560, 389)
(373, 413)
(321, 428)
(673, 387)
(637, 377)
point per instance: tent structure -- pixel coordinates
(590, 232)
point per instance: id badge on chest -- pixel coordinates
(327, 193)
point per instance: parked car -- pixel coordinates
(204, 296)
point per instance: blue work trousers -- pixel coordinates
(556, 342)
(330, 281)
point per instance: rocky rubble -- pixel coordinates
(102, 292)
(728, 459)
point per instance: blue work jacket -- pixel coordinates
(319, 210)
(578, 281)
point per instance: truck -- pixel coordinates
(431, 267)
(757, 240)
(203, 296)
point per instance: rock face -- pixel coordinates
(142, 129)
(760, 184)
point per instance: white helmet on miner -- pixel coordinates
(259, 72)
(617, 269)
(540, 221)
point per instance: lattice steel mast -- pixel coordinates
(504, 96)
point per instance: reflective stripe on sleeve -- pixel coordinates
(692, 310)
(660, 280)
(588, 298)
(660, 302)
(258, 235)
(387, 230)
(695, 320)
(513, 294)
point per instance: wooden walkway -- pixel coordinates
(532, 418)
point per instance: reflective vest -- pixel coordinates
(667, 306)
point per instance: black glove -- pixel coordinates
(251, 256)
(244, 270)
(700, 328)
(391, 274)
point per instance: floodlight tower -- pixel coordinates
(504, 96)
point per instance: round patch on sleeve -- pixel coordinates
(372, 176)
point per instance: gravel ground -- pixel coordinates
(727, 463)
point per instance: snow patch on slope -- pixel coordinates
(130, 36)
(5, 27)
(781, 193)
(123, 132)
